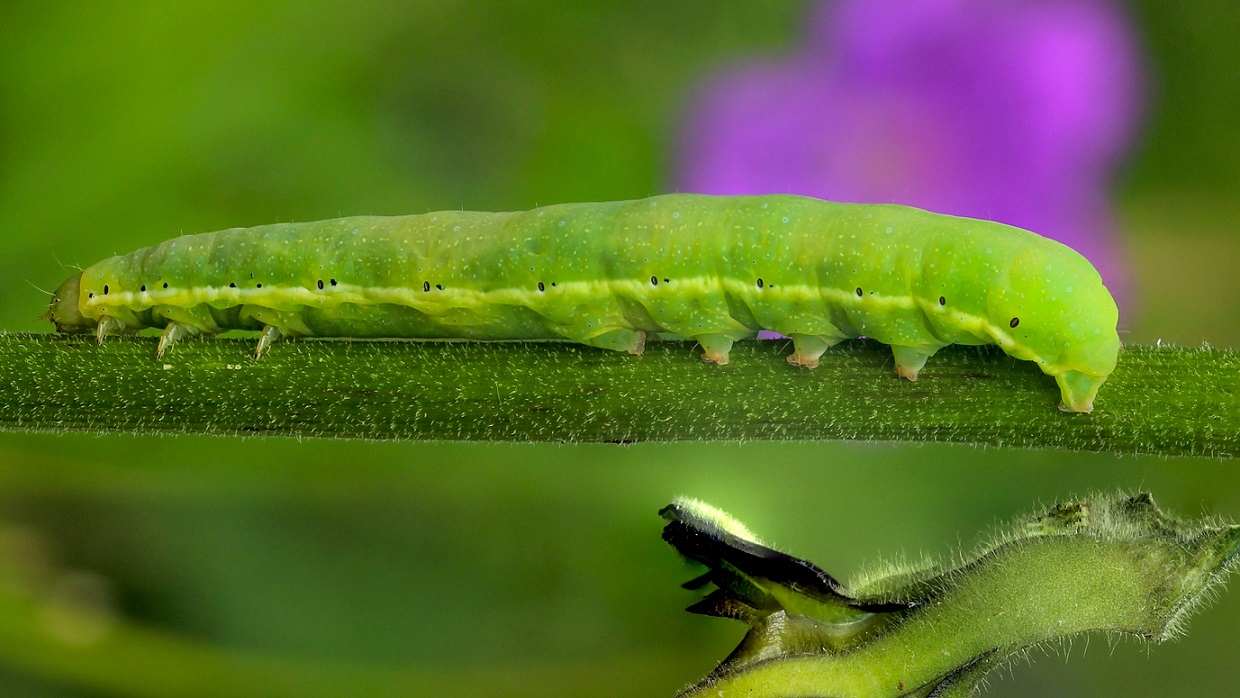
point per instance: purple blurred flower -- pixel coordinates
(1015, 111)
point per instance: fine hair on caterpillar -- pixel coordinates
(714, 269)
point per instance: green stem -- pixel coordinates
(1110, 563)
(1160, 400)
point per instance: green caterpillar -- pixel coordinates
(714, 269)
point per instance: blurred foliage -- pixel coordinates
(124, 123)
(1190, 142)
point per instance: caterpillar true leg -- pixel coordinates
(715, 347)
(270, 334)
(807, 348)
(173, 333)
(108, 325)
(909, 360)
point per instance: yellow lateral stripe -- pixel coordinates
(438, 301)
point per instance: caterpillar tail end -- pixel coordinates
(1078, 390)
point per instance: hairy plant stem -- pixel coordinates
(1160, 400)
(1109, 563)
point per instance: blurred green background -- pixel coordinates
(473, 569)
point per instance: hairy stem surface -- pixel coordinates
(1110, 563)
(1164, 400)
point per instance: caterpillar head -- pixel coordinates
(64, 311)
